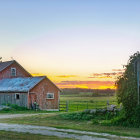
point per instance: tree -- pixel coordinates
(126, 86)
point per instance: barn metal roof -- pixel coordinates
(5, 64)
(19, 84)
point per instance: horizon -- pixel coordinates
(76, 44)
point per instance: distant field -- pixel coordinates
(76, 97)
(79, 103)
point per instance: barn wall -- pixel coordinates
(6, 98)
(41, 91)
(6, 73)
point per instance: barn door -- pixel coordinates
(32, 99)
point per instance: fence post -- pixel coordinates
(87, 104)
(77, 107)
(95, 104)
(107, 103)
(67, 107)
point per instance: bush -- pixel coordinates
(14, 107)
(122, 120)
(127, 95)
(136, 117)
(77, 116)
(127, 87)
(19, 108)
(99, 114)
(6, 109)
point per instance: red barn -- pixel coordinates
(17, 86)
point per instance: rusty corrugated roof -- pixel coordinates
(19, 84)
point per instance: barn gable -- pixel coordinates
(4, 65)
(5, 70)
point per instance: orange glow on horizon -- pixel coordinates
(70, 81)
(86, 86)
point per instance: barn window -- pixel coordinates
(17, 97)
(50, 95)
(13, 71)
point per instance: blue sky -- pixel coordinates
(69, 36)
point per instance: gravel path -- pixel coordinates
(46, 131)
(64, 133)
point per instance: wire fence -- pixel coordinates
(82, 105)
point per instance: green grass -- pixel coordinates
(25, 112)
(54, 120)
(78, 103)
(75, 103)
(8, 135)
(77, 97)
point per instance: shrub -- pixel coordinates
(14, 107)
(77, 116)
(100, 114)
(127, 95)
(127, 87)
(19, 108)
(6, 109)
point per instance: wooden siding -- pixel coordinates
(41, 90)
(6, 98)
(20, 72)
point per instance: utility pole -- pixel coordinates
(137, 72)
(138, 79)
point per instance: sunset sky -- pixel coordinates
(76, 43)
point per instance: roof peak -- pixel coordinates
(7, 61)
(5, 64)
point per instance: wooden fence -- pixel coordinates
(82, 105)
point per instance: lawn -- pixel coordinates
(25, 112)
(8, 135)
(77, 97)
(74, 102)
(79, 103)
(54, 120)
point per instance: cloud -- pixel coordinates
(106, 75)
(86, 84)
(118, 70)
(37, 74)
(66, 76)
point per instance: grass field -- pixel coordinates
(79, 103)
(54, 120)
(77, 97)
(24, 112)
(8, 135)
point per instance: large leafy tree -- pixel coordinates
(127, 87)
